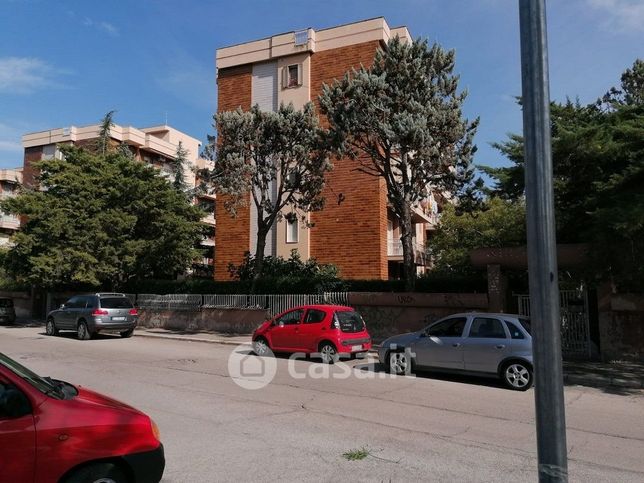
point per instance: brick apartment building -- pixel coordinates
(155, 145)
(356, 230)
(10, 179)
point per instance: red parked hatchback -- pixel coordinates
(328, 330)
(51, 431)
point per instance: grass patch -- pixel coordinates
(356, 454)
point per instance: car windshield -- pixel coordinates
(6, 303)
(116, 303)
(44, 385)
(525, 323)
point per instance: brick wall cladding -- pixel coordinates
(29, 173)
(351, 231)
(233, 234)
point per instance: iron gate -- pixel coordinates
(575, 331)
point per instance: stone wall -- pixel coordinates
(621, 327)
(388, 314)
(231, 321)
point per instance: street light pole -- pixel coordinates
(542, 247)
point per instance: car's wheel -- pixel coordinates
(98, 473)
(50, 327)
(127, 333)
(328, 353)
(261, 347)
(517, 375)
(399, 363)
(83, 332)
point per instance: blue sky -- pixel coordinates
(68, 62)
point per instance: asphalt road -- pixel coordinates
(298, 427)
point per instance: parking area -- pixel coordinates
(307, 421)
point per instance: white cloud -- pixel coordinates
(106, 27)
(109, 28)
(22, 75)
(625, 15)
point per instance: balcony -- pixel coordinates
(395, 251)
(9, 221)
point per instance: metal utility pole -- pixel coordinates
(542, 246)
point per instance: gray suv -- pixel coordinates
(88, 315)
(498, 345)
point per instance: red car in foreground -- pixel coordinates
(52, 431)
(327, 330)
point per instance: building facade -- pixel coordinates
(155, 145)
(10, 180)
(356, 230)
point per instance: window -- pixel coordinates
(349, 321)
(485, 328)
(292, 230)
(515, 332)
(525, 323)
(448, 328)
(75, 303)
(6, 303)
(292, 76)
(116, 303)
(290, 318)
(314, 316)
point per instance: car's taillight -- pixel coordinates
(99, 312)
(155, 430)
(133, 312)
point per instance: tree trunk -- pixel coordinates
(262, 232)
(406, 237)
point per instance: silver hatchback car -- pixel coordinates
(498, 345)
(88, 315)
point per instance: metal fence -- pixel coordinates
(575, 326)
(273, 304)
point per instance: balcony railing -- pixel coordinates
(9, 221)
(395, 249)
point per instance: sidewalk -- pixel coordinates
(623, 377)
(210, 337)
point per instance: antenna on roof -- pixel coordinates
(166, 118)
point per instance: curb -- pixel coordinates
(199, 339)
(190, 339)
(600, 381)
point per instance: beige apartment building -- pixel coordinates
(357, 230)
(156, 145)
(10, 180)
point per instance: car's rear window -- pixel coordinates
(6, 303)
(350, 321)
(116, 303)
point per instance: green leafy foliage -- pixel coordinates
(501, 224)
(402, 119)
(309, 275)
(99, 221)
(598, 170)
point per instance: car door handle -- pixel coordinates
(456, 345)
(500, 346)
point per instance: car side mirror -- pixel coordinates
(14, 404)
(422, 334)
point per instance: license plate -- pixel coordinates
(118, 318)
(356, 347)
